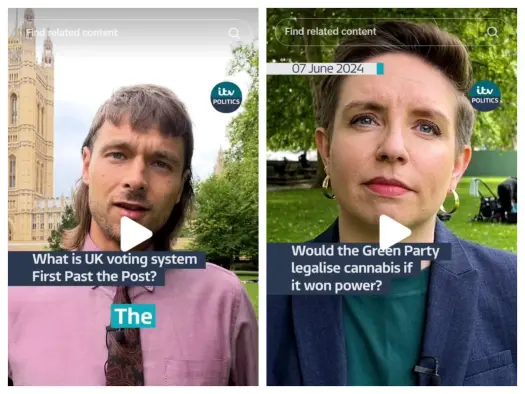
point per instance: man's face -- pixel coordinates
(397, 127)
(138, 174)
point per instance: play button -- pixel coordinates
(132, 234)
(391, 232)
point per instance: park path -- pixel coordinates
(276, 188)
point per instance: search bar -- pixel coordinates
(330, 31)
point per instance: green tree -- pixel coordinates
(68, 222)
(243, 131)
(214, 222)
(226, 216)
(292, 100)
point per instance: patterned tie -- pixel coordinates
(124, 366)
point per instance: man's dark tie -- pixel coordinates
(124, 366)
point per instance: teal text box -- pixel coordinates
(133, 316)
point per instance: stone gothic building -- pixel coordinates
(33, 210)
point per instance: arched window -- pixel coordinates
(37, 179)
(42, 179)
(38, 118)
(12, 171)
(42, 120)
(14, 105)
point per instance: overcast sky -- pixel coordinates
(185, 50)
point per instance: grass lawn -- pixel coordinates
(300, 215)
(251, 288)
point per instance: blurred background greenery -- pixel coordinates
(291, 115)
(298, 214)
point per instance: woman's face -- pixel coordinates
(393, 145)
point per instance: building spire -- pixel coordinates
(47, 55)
(16, 30)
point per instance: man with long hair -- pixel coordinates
(136, 163)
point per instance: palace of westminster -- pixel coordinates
(33, 210)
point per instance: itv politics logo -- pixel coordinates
(485, 96)
(226, 97)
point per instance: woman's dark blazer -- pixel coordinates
(470, 324)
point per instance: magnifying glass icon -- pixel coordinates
(492, 31)
(234, 33)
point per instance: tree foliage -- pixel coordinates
(291, 100)
(68, 222)
(226, 216)
(243, 131)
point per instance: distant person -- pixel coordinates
(281, 167)
(397, 144)
(508, 195)
(137, 163)
(303, 161)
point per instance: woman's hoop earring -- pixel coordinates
(326, 185)
(456, 204)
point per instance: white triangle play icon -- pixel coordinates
(132, 234)
(391, 232)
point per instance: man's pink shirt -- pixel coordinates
(206, 332)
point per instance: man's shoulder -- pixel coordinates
(212, 279)
(37, 294)
(37, 299)
(222, 276)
